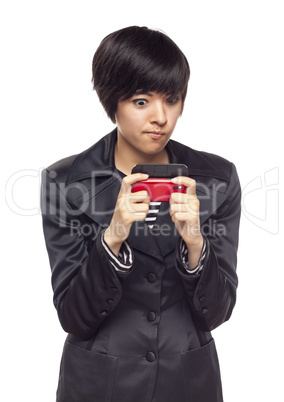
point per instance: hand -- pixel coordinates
(184, 210)
(130, 207)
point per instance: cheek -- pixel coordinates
(173, 118)
(126, 121)
(133, 121)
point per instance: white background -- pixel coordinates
(48, 111)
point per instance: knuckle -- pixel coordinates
(143, 208)
(126, 180)
(174, 197)
(191, 180)
(192, 183)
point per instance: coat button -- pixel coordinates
(150, 356)
(151, 316)
(151, 277)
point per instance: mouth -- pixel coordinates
(155, 135)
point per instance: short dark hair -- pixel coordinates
(137, 58)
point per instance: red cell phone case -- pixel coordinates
(158, 189)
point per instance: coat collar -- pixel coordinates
(98, 159)
(96, 165)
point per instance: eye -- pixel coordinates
(173, 99)
(140, 102)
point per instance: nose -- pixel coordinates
(159, 115)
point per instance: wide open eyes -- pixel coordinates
(173, 99)
(140, 102)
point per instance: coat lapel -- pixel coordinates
(142, 239)
(98, 202)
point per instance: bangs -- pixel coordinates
(157, 67)
(155, 79)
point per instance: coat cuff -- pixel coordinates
(124, 261)
(183, 257)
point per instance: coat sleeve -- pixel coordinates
(212, 293)
(86, 286)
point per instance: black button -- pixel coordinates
(104, 312)
(150, 356)
(110, 301)
(204, 310)
(151, 277)
(151, 316)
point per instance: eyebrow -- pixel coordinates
(141, 92)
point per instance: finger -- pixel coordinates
(185, 217)
(131, 179)
(189, 183)
(133, 199)
(140, 196)
(179, 198)
(139, 216)
(140, 208)
(177, 208)
(191, 208)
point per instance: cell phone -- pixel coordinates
(161, 170)
(159, 185)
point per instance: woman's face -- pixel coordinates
(146, 121)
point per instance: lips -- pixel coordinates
(155, 134)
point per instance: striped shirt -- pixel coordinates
(152, 213)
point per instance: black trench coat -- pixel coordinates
(143, 335)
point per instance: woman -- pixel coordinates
(138, 286)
